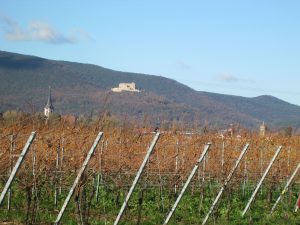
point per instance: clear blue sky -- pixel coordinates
(241, 47)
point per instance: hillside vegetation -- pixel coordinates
(85, 89)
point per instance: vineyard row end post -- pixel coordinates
(17, 166)
(207, 146)
(226, 183)
(81, 171)
(286, 188)
(136, 179)
(261, 181)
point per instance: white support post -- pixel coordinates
(176, 163)
(261, 168)
(81, 171)
(285, 188)
(187, 183)
(97, 186)
(245, 177)
(99, 171)
(56, 175)
(222, 155)
(11, 162)
(226, 183)
(261, 181)
(34, 187)
(136, 179)
(17, 166)
(61, 165)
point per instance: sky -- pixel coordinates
(237, 47)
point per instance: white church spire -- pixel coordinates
(48, 110)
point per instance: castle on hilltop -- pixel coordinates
(126, 87)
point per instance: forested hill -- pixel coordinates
(84, 89)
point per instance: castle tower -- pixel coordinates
(262, 129)
(48, 110)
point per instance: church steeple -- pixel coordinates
(49, 107)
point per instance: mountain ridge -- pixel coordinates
(82, 88)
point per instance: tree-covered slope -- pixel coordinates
(84, 88)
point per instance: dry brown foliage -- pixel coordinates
(122, 149)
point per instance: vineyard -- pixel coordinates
(189, 178)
